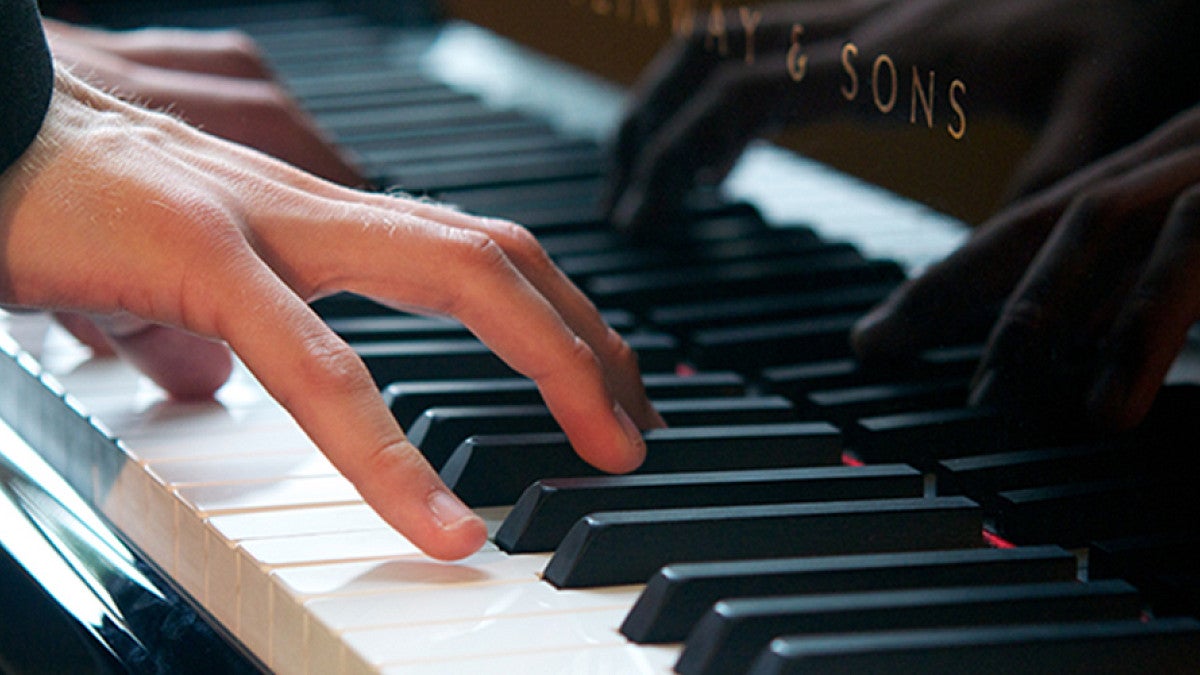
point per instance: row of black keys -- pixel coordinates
(752, 467)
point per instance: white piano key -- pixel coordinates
(285, 437)
(293, 522)
(277, 494)
(527, 596)
(301, 644)
(304, 464)
(602, 660)
(369, 650)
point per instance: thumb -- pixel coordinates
(186, 365)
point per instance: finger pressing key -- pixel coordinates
(1152, 325)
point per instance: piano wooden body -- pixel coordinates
(214, 536)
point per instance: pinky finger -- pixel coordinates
(1151, 327)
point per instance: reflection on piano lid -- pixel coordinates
(947, 545)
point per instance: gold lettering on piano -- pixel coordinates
(750, 20)
(850, 88)
(797, 60)
(957, 132)
(716, 37)
(882, 60)
(886, 87)
(683, 16)
(925, 97)
(718, 31)
(641, 12)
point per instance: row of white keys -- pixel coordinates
(237, 506)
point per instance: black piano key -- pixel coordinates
(544, 219)
(429, 140)
(541, 141)
(796, 380)
(751, 347)
(982, 476)
(384, 328)
(567, 243)
(356, 122)
(439, 431)
(393, 361)
(1072, 514)
(733, 632)
(495, 470)
(641, 290)
(924, 437)
(463, 123)
(506, 169)
(408, 400)
(1087, 648)
(622, 547)
(1165, 566)
(349, 305)
(548, 508)
(708, 384)
(352, 84)
(687, 318)
(380, 327)
(725, 411)
(774, 243)
(496, 199)
(842, 406)
(318, 105)
(677, 596)
(457, 359)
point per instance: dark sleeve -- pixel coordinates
(26, 77)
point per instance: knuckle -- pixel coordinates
(1024, 315)
(478, 261)
(389, 459)
(582, 356)
(618, 353)
(1100, 206)
(1187, 208)
(477, 251)
(519, 243)
(330, 366)
(239, 46)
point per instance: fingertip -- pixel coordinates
(635, 451)
(884, 333)
(869, 335)
(1117, 401)
(458, 531)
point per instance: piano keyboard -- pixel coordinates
(802, 514)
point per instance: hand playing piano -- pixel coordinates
(119, 211)
(1049, 63)
(1098, 277)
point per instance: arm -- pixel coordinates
(26, 72)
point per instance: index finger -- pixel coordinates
(327, 389)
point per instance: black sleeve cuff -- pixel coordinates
(26, 75)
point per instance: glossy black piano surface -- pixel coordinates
(1081, 546)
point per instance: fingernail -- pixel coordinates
(447, 510)
(636, 442)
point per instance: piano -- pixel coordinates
(802, 514)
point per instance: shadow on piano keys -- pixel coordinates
(864, 517)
